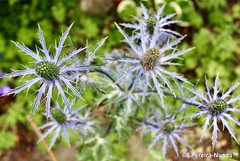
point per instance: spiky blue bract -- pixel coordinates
(216, 107)
(83, 79)
(61, 121)
(50, 71)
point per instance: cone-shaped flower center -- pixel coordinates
(217, 107)
(168, 127)
(151, 23)
(149, 59)
(59, 116)
(47, 70)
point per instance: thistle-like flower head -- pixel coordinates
(63, 120)
(150, 61)
(50, 71)
(166, 129)
(153, 24)
(216, 108)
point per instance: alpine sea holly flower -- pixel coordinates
(49, 71)
(166, 129)
(61, 120)
(216, 107)
(150, 61)
(153, 24)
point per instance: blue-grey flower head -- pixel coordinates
(151, 24)
(150, 61)
(216, 108)
(166, 130)
(49, 70)
(61, 121)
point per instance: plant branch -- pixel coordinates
(139, 91)
(39, 134)
(107, 75)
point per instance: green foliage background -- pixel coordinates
(213, 28)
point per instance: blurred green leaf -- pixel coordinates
(7, 140)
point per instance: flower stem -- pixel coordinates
(39, 134)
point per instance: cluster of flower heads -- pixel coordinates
(51, 71)
(152, 49)
(149, 59)
(143, 69)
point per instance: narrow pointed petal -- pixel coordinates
(197, 114)
(62, 93)
(230, 91)
(61, 42)
(164, 147)
(129, 25)
(129, 71)
(214, 133)
(144, 10)
(200, 95)
(231, 118)
(169, 23)
(182, 141)
(225, 123)
(134, 48)
(164, 19)
(233, 110)
(205, 126)
(171, 44)
(71, 87)
(170, 31)
(47, 125)
(28, 51)
(174, 144)
(157, 86)
(96, 48)
(49, 98)
(37, 100)
(215, 88)
(57, 132)
(21, 88)
(165, 81)
(65, 132)
(20, 72)
(71, 55)
(174, 55)
(232, 100)
(43, 43)
(48, 132)
(154, 142)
